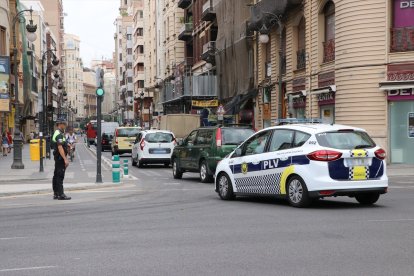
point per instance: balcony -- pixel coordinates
(183, 4)
(186, 32)
(301, 59)
(329, 51)
(402, 39)
(208, 13)
(209, 51)
(192, 86)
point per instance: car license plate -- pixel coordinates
(157, 151)
(354, 162)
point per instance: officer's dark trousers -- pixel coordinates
(59, 176)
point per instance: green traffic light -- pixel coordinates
(100, 92)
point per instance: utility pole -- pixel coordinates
(99, 99)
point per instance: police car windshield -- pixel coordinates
(345, 140)
(235, 136)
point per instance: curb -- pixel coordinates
(49, 190)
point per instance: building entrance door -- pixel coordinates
(327, 114)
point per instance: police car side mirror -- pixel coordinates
(237, 152)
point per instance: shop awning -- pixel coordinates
(234, 106)
(326, 89)
(396, 85)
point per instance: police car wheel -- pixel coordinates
(367, 199)
(139, 163)
(225, 189)
(176, 170)
(297, 193)
(134, 162)
(204, 176)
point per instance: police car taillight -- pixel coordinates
(324, 155)
(380, 154)
(218, 138)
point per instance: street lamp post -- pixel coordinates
(31, 36)
(142, 106)
(42, 113)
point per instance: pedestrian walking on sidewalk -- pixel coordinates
(10, 139)
(61, 161)
(5, 143)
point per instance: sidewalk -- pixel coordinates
(30, 181)
(30, 171)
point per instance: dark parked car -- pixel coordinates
(205, 147)
(107, 141)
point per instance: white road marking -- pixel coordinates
(172, 183)
(390, 220)
(12, 238)
(27, 268)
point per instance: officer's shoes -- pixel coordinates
(55, 197)
(64, 197)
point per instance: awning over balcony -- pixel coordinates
(236, 104)
(396, 85)
(262, 12)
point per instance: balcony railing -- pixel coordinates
(329, 50)
(301, 59)
(208, 13)
(402, 39)
(191, 86)
(186, 31)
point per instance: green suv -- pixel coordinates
(205, 147)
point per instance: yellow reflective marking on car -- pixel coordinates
(359, 153)
(288, 171)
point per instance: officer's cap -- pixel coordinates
(61, 121)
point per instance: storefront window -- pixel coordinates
(402, 132)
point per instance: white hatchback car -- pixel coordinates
(302, 162)
(153, 147)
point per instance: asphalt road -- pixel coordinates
(156, 225)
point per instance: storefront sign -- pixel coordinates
(401, 95)
(326, 98)
(411, 125)
(299, 102)
(403, 13)
(211, 103)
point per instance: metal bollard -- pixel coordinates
(126, 168)
(116, 169)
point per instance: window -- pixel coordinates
(329, 44)
(281, 140)
(159, 137)
(301, 53)
(204, 137)
(300, 139)
(190, 140)
(257, 144)
(235, 136)
(129, 37)
(402, 31)
(268, 58)
(345, 140)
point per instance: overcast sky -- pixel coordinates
(93, 22)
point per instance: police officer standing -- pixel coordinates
(61, 161)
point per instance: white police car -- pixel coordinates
(301, 162)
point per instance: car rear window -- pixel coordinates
(235, 136)
(345, 140)
(159, 137)
(128, 132)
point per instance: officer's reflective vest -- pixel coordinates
(55, 135)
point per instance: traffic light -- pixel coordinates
(100, 92)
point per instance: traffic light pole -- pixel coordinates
(99, 139)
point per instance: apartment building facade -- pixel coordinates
(89, 92)
(74, 75)
(347, 62)
(5, 34)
